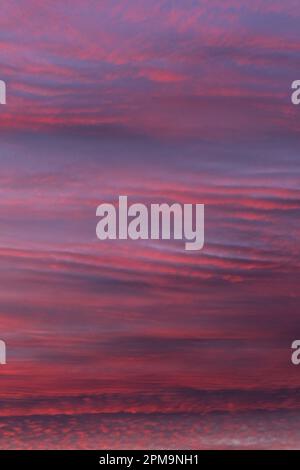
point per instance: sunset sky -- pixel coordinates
(123, 344)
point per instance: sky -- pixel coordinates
(123, 344)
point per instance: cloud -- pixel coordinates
(163, 102)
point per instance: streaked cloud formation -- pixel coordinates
(163, 101)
